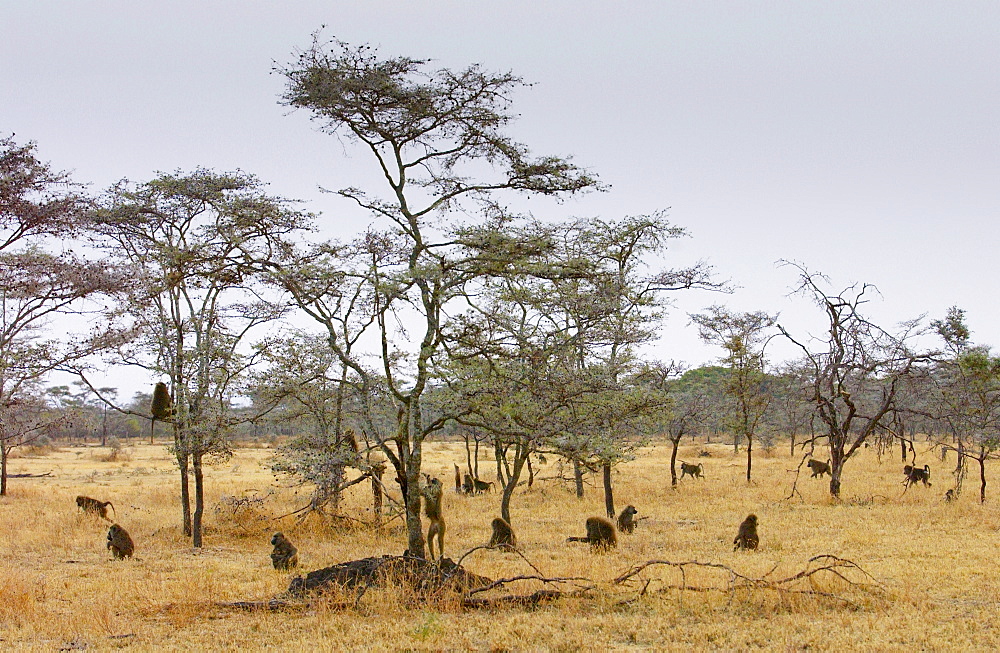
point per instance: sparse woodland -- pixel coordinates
(331, 390)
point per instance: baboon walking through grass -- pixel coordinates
(818, 467)
(95, 506)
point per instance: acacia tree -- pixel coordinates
(37, 287)
(854, 372)
(968, 396)
(743, 336)
(189, 240)
(437, 139)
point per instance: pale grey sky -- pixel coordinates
(860, 138)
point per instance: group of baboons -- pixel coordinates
(911, 474)
(119, 541)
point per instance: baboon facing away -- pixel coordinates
(468, 486)
(949, 496)
(626, 520)
(95, 506)
(818, 467)
(161, 408)
(694, 471)
(432, 492)
(285, 555)
(600, 534)
(915, 474)
(119, 542)
(503, 534)
(747, 538)
(458, 480)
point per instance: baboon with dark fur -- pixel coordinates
(285, 556)
(626, 520)
(917, 474)
(94, 506)
(747, 538)
(432, 492)
(468, 486)
(503, 534)
(600, 534)
(458, 480)
(162, 408)
(949, 496)
(482, 486)
(694, 471)
(818, 467)
(119, 542)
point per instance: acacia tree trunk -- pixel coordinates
(749, 455)
(836, 467)
(377, 471)
(521, 454)
(180, 450)
(3, 469)
(673, 460)
(199, 499)
(609, 497)
(982, 476)
(578, 478)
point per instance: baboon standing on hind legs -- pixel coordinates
(432, 492)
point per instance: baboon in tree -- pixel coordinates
(747, 538)
(285, 556)
(433, 492)
(818, 467)
(95, 506)
(162, 408)
(503, 534)
(916, 474)
(600, 534)
(626, 520)
(119, 542)
(694, 471)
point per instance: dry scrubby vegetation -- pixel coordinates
(934, 582)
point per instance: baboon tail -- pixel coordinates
(577, 539)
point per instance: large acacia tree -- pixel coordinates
(437, 139)
(854, 372)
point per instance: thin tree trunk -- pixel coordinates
(749, 455)
(199, 499)
(673, 461)
(3, 469)
(578, 478)
(531, 472)
(377, 471)
(609, 497)
(982, 477)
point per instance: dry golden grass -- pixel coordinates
(938, 586)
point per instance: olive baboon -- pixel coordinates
(95, 506)
(432, 492)
(747, 537)
(818, 467)
(458, 480)
(285, 555)
(119, 542)
(503, 534)
(626, 520)
(162, 407)
(482, 486)
(949, 496)
(915, 474)
(694, 471)
(467, 485)
(600, 534)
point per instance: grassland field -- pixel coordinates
(934, 579)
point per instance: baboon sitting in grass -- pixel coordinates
(432, 492)
(119, 542)
(94, 506)
(285, 556)
(818, 467)
(503, 534)
(626, 520)
(747, 538)
(600, 534)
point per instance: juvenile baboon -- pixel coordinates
(626, 520)
(468, 486)
(503, 534)
(915, 474)
(949, 496)
(483, 486)
(694, 471)
(95, 506)
(818, 467)
(600, 534)
(119, 542)
(285, 556)
(458, 480)
(161, 408)
(432, 492)
(747, 537)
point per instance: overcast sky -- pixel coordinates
(859, 138)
